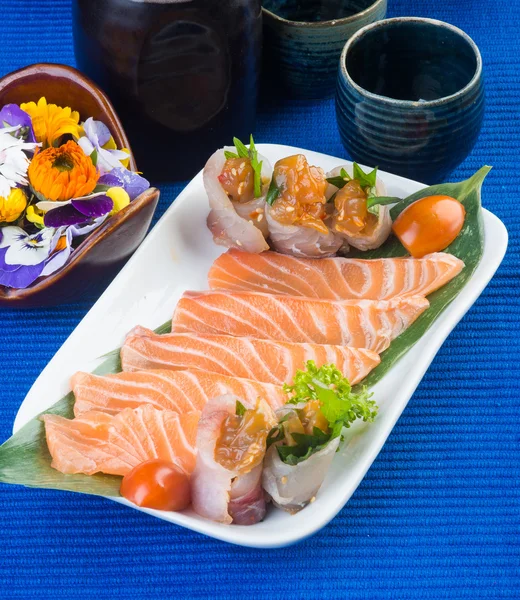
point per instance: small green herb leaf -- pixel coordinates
(273, 193)
(240, 409)
(340, 180)
(242, 151)
(306, 445)
(374, 202)
(230, 155)
(257, 167)
(94, 157)
(366, 180)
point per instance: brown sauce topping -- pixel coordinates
(302, 199)
(238, 179)
(241, 444)
(304, 420)
(352, 216)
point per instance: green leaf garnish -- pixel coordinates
(374, 202)
(306, 445)
(240, 409)
(94, 157)
(366, 180)
(340, 180)
(338, 401)
(252, 155)
(242, 151)
(257, 167)
(339, 405)
(272, 193)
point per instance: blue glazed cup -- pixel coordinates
(410, 97)
(303, 40)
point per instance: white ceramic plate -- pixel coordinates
(176, 256)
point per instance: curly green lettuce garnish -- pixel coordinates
(333, 390)
(252, 154)
(339, 404)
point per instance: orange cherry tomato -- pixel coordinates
(429, 225)
(157, 484)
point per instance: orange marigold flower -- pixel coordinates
(51, 122)
(62, 173)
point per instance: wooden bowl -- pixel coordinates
(109, 246)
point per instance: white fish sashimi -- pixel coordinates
(304, 242)
(384, 225)
(292, 487)
(218, 493)
(230, 222)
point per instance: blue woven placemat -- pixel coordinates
(438, 514)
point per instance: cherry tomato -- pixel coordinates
(429, 225)
(157, 484)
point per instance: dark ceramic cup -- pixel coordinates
(303, 40)
(410, 97)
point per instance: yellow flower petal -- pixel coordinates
(119, 197)
(13, 206)
(34, 215)
(51, 122)
(111, 144)
(126, 162)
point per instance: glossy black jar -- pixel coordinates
(183, 74)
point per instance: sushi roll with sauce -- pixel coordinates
(236, 180)
(297, 214)
(359, 224)
(226, 485)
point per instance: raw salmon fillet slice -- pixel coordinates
(178, 391)
(358, 323)
(333, 278)
(262, 360)
(97, 442)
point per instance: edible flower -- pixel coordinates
(119, 197)
(76, 211)
(131, 182)
(62, 173)
(23, 257)
(97, 137)
(51, 122)
(12, 115)
(34, 215)
(13, 206)
(13, 160)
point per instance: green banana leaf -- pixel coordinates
(25, 459)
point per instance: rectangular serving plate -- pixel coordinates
(175, 257)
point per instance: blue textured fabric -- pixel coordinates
(438, 514)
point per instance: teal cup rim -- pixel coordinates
(411, 103)
(323, 24)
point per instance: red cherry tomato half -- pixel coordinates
(429, 225)
(157, 484)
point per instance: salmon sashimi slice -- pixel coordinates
(97, 442)
(333, 278)
(177, 391)
(262, 360)
(358, 323)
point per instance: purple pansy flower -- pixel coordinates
(75, 211)
(23, 257)
(12, 115)
(131, 182)
(96, 136)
